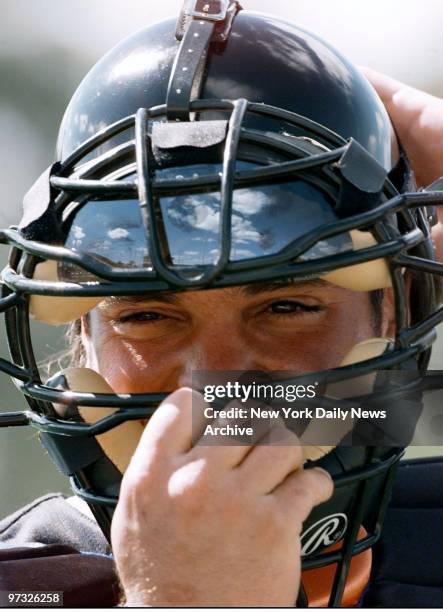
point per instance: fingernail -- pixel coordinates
(327, 474)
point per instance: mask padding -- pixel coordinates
(368, 349)
(118, 443)
(57, 310)
(83, 454)
(368, 276)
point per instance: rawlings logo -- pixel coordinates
(323, 533)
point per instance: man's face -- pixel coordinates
(154, 344)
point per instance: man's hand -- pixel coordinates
(211, 526)
(418, 119)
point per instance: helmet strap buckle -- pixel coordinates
(212, 10)
(201, 23)
(219, 13)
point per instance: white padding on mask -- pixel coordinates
(368, 276)
(119, 443)
(338, 429)
(57, 310)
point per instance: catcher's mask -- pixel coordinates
(227, 149)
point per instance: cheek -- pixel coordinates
(127, 365)
(130, 367)
(351, 325)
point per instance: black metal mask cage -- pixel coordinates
(405, 245)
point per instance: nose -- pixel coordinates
(219, 353)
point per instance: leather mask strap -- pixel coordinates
(200, 23)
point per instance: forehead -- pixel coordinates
(229, 293)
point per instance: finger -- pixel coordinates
(418, 119)
(223, 449)
(303, 490)
(385, 86)
(169, 430)
(229, 450)
(268, 464)
(409, 107)
(406, 105)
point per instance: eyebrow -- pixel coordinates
(256, 288)
(246, 290)
(117, 300)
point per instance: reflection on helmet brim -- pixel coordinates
(265, 220)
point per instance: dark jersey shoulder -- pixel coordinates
(407, 569)
(51, 546)
(52, 520)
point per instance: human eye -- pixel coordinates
(142, 320)
(145, 323)
(292, 308)
(143, 316)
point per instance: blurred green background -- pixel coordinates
(46, 47)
